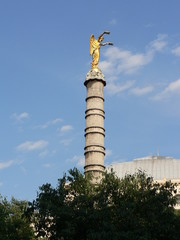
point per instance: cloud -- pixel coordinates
(122, 61)
(31, 146)
(171, 89)
(149, 25)
(47, 165)
(46, 153)
(137, 91)
(119, 61)
(43, 154)
(49, 123)
(81, 161)
(115, 88)
(78, 160)
(66, 142)
(20, 117)
(159, 43)
(66, 128)
(6, 164)
(113, 22)
(173, 86)
(23, 170)
(108, 153)
(176, 51)
(1, 184)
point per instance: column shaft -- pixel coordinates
(94, 150)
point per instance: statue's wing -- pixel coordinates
(92, 41)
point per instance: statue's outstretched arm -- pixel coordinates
(105, 32)
(107, 43)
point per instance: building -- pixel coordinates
(161, 168)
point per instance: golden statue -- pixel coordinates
(95, 48)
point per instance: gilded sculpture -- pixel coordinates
(95, 45)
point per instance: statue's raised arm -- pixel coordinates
(95, 48)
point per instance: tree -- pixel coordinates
(131, 208)
(13, 223)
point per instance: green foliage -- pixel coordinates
(13, 223)
(131, 208)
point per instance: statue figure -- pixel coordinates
(95, 48)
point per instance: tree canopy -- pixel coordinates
(134, 207)
(13, 223)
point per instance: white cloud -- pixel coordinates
(23, 170)
(141, 91)
(1, 184)
(176, 51)
(113, 22)
(53, 152)
(78, 160)
(174, 86)
(56, 120)
(49, 123)
(119, 61)
(20, 117)
(31, 146)
(66, 142)
(81, 162)
(108, 153)
(122, 61)
(115, 88)
(149, 25)
(159, 43)
(171, 89)
(66, 128)
(43, 154)
(6, 164)
(47, 165)
(46, 153)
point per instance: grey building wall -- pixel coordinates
(158, 167)
(161, 168)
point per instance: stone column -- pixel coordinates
(94, 150)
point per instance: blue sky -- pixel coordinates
(44, 58)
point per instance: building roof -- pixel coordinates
(158, 167)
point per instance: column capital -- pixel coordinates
(95, 74)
